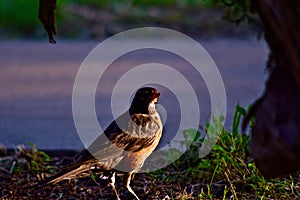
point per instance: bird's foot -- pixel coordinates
(132, 192)
(129, 176)
(112, 184)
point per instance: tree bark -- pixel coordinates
(275, 142)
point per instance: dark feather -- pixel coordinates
(124, 145)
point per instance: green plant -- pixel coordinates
(37, 160)
(237, 11)
(19, 16)
(75, 18)
(228, 171)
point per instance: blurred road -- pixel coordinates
(36, 81)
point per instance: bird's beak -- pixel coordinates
(156, 95)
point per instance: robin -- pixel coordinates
(125, 144)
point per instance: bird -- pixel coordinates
(124, 146)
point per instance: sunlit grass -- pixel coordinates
(228, 172)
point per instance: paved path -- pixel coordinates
(36, 81)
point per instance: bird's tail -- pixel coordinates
(71, 172)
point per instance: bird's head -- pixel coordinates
(145, 100)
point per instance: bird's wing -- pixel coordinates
(139, 132)
(127, 133)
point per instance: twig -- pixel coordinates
(5, 170)
(12, 167)
(231, 186)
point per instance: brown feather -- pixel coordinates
(125, 144)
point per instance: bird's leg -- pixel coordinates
(128, 178)
(112, 184)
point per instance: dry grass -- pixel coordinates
(228, 172)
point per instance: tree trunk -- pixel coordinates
(276, 134)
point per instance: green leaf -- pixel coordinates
(193, 134)
(239, 112)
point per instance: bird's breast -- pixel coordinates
(133, 161)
